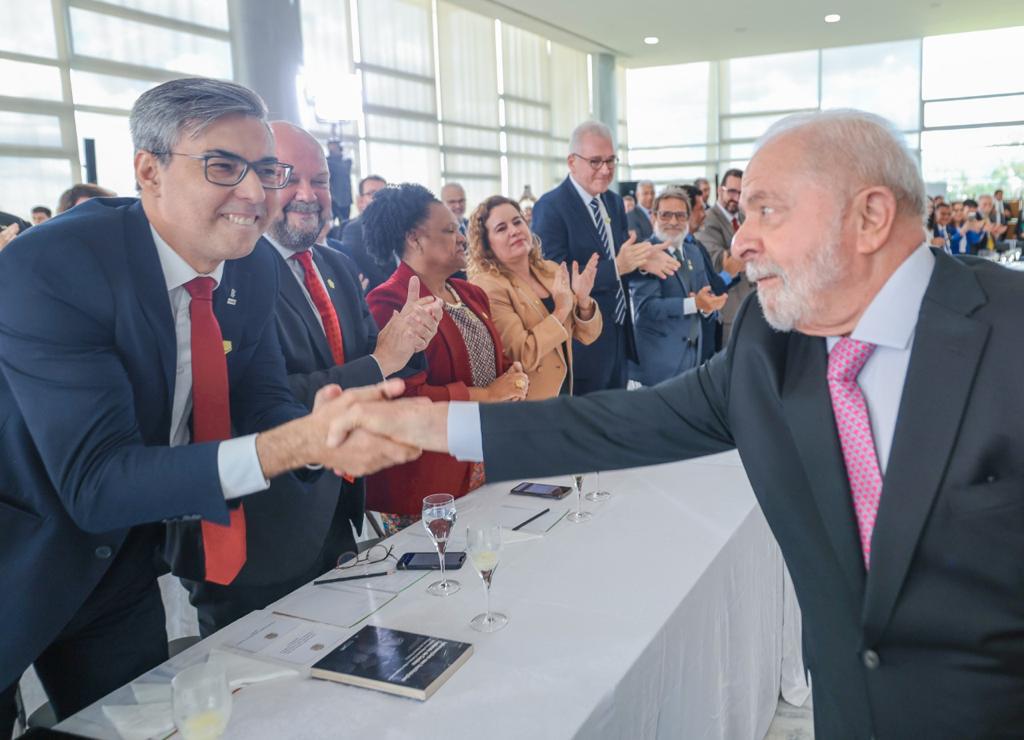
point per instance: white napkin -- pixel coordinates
(141, 721)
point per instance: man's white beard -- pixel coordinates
(673, 241)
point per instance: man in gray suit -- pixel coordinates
(864, 391)
(640, 219)
(722, 222)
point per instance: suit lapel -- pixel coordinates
(293, 294)
(807, 407)
(584, 215)
(947, 349)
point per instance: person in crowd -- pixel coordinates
(639, 219)
(40, 214)
(352, 242)
(930, 208)
(702, 184)
(990, 235)
(958, 214)
(629, 203)
(944, 234)
(465, 359)
(1000, 211)
(327, 337)
(580, 218)
(80, 193)
(974, 232)
(668, 310)
(10, 227)
(136, 337)
(535, 304)
(722, 222)
(340, 168)
(863, 348)
(453, 195)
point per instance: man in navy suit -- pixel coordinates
(129, 328)
(582, 217)
(294, 535)
(352, 235)
(669, 310)
(640, 219)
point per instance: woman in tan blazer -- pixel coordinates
(536, 307)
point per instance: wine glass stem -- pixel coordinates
(440, 559)
(487, 601)
(579, 499)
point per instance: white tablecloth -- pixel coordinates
(666, 616)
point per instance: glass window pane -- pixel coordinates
(29, 129)
(478, 189)
(527, 116)
(397, 34)
(401, 129)
(668, 175)
(774, 82)
(570, 98)
(525, 63)
(26, 182)
(981, 110)
(469, 66)
(748, 127)
(880, 78)
(212, 13)
(668, 154)
(536, 173)
(668, 105)
(89, 88)
(535, 145)
(973, 161)
(979, 63)
(29, 30)
(470, 138)
(114, 151)
(464, 165)
(131, 42)
(403, 163)
(23, 80)
(398, 92)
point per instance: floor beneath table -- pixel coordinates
(791, 723)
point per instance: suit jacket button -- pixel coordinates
(103, 552)
(871, 660)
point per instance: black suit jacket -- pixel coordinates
(352, 244)
(567, 233)
(930, 643)
(636, 220)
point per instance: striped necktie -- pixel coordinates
(605, 236)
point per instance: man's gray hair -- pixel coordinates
(858, 148)
(671, 191)
(641, 183)
(588, 128)
(165, 114)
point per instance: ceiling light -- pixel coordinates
(651, 40)
(833, 18)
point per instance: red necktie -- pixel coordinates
(735, 224)
(223, 546)
(323, 304)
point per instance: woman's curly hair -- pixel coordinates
(394, 212)
(481, 257)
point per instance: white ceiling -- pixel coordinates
(697, 31)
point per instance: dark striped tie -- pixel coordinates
(605, 237)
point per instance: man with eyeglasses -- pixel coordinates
(722, 222)
(327, 335)
(142, 384)
(669, 310)
(580, 218)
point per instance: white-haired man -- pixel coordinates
(864, 388)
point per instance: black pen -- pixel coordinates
(538, 515)
(351, 578)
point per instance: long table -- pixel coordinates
(662, 617)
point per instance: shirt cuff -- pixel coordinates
(689, 306)
(239, 467)
(465, 439)
(726, 276)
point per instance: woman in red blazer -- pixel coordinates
(465, 359)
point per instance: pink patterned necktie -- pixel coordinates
(851, 411)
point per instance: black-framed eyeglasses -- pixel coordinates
(227, 170)
(376, 554)
(680, 216)
(596, 163)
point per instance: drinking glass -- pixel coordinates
(201, 701)
(598, 494)
(579, 515)
(483, 545)
(439, 518)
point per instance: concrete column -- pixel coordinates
(606, 104)
(267, 51)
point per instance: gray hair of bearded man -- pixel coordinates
(855, 149)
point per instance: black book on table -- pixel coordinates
(397, 662)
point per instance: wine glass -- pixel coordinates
(598, 494)
(483, 545)
(579, 515)
(439, 518)
(201, 701)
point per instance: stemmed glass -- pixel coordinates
(439, 518)
(598, 494)
(579, 515)
(201, 701)
(483, 545)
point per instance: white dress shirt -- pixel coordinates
(889, 322)
(237, 462)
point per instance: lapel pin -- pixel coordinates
(227, 346)
(330, 283)
(232, 300)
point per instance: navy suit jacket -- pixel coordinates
(667, 339)
(352, 245)
(88, 354)
(567, 233)
(710, 324)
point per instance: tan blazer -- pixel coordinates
(531, 334)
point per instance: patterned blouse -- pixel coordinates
(478, 341)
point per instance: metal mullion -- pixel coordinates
(397, 73)
(473, 126)
(36, 152)
(760, 113)
(469, 175)
(68, 125)
(29, 58)
(31, 105)
(102, 110)
(152, 19)
(973, 97)
(527, 101)
(388, 112)
(661, 165)
(123, 69)
(469, 151)
(400, 142)
(962, 126)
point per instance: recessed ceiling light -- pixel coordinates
(833, 18)
(651, 40)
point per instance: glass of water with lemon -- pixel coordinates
(483, 545)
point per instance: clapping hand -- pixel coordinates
(561, 292)
(632, 255)
(409, 330)
(512, 386)
(660, 263)
(8, 234)
(708, 302)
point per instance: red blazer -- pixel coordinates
(400, 490)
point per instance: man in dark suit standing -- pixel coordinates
(865, 390)
(352, 236)
(135, 337)
(720, 226)
(328, 336)
(582, 217)
(341, 181)
(640, 219)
